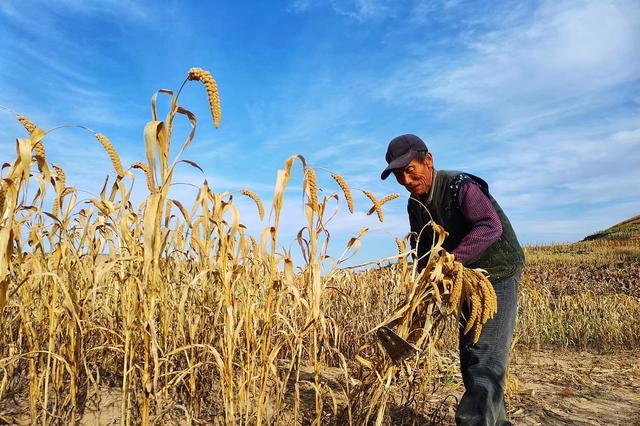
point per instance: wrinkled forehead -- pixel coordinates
(409, 167)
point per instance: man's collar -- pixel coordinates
(433, 183)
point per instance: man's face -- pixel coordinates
(417, 176)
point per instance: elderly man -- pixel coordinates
(480, 236)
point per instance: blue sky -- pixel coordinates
(542, 99)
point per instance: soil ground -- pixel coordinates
(547, 388)
(569, 388)
(577, 388)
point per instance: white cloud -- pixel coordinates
(543, 98)
(567, 50)
(341, 147)
(359, 10)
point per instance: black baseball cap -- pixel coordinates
(401, 151)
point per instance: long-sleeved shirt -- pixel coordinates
(486, 228)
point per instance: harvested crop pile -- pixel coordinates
(442, 292)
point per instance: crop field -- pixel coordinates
(166, 313)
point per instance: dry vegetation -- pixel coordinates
(172, 313)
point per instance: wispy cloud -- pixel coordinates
(542, 99)
(538, 102)
(128, 9)
(359, 10)
(566, 50)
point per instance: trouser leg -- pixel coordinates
(484, 363)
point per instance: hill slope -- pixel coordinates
(627, 229)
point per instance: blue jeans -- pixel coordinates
(484, 364)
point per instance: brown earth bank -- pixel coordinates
(547, 387)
